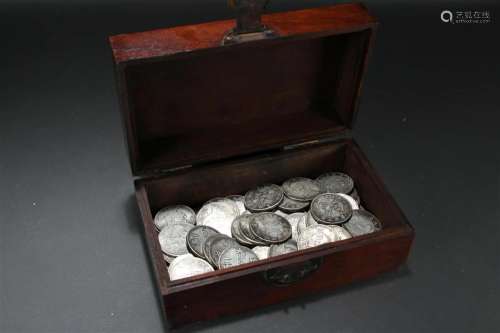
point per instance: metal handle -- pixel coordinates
(248, 22)
(283, 276)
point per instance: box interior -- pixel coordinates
(194, 187)
(235, 100)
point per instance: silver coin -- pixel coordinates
(167, 258)
(218, 215)
(301, 189)
(262, 252)
(294, 219)
(230, 203)
(186, 266)
(355, 195)
(197, 236)
(352, 202)
(281, 213)
(313, 236)
(270, 228)
(339, 232)
(362, 222)
(244, 226)
(335, 182)
(174, 214)
(301, 225)
(263, 198)
(218, 246)
(283, 248)
(330, 208)
(235, 256)
(310, 220)
(173, 239)
(236, 231)
(240, 202)
(291, 206)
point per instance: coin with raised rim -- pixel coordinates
(173, 239)
(270, 227)
(330, 208)
(174, 214)
(261, 251)
(263, 198)
(301, 189)
(237, 232)
(335, 182)
(288, 205)
(362, 222)
(235, 256)
(197, 236)
(313, 236)
(186, 266)
(352, 201)
(244, 226)
(283, 248)
(218, 215)
(219, 245)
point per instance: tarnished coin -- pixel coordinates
(173, 238)
(174, 214)
(313, 236)
(352, 202)
(240, 202)
(340, 232)
(186, 266)
(218, 215)
(197, 236)
(168, 259)
(330, 208)
(294, 219)
(362, 222)
(301, 225)
(355, 195)
(283, 248)
(244, 228)
(263, 198)
(219, 245)
(291, 206)
(270, 228)
(262, 252)
(301, 189)
(236, 231)
(335, 182)
(235, 256)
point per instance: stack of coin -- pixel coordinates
(270, 220)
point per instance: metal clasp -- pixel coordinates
(249, 26)
(283, 276)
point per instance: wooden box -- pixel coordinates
(205, 120)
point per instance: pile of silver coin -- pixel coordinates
(267, 221)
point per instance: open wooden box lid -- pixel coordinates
(186, 99)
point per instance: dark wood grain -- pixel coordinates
(184, 102)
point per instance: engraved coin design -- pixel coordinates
(291, 206)
(240, 202)
(244, 228)
(283, 248)
(352, 202)
(197, 236)
(186, 266)
(335, 182)
(236, 231)
(262, 252)
(294, 219)
(235, 256)
(339, 232)
(220, 245)
(301, 189)
(313, 236)
(218, 215)
(263, 198)
(270, 228)
(173, 239)
(362, 222)
(330, 208)
(174, 214)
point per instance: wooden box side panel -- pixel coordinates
(253, 291)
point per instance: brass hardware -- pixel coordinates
(283, 276)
